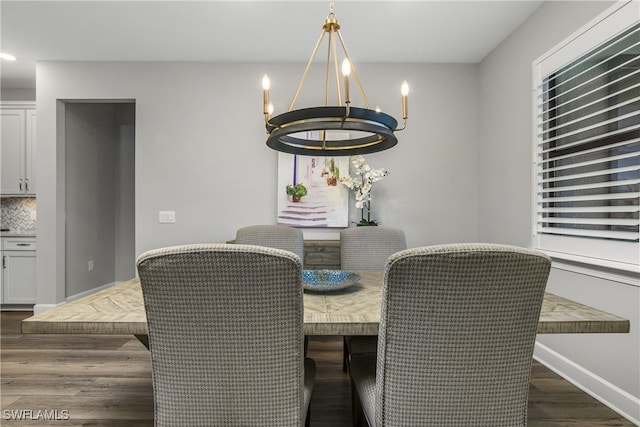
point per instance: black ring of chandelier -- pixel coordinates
(379, 125)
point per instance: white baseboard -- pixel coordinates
(16, 307)
(610, 395)
(41, 308)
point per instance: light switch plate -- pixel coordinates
(166, 217)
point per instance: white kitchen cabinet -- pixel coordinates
(17, 176)
(18, 270)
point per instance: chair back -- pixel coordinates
(225, 334)
(368, 248)
(273, 236)
(457, 332)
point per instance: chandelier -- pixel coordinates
(332, 130)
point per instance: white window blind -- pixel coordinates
(587, 150)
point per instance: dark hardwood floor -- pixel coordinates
(106, 381)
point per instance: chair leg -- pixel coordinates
(345, 355)
(356, 408)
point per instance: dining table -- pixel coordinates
(119, 309)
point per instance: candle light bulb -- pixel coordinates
(404, 89)
(266, 83)
(346, 70)
(346, 67)
(270, 109)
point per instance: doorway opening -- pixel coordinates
(99, 138)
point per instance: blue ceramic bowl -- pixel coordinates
(328, 280)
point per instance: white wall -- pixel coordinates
(200, 150)
(607, 365)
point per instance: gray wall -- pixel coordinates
(600, 363)
(200, 150)
(125, 245)
(99, 193)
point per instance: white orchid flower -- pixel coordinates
(362, 184)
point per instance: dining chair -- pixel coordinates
(457, 331)
(226, 335)
(366, 248)
(273, 236)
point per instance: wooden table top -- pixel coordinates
(354, 311)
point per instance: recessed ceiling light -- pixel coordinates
(7, 56)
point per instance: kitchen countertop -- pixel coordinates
(18, 233)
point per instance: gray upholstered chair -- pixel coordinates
(273, 236)
(457, 332)
(367, 248)
(226, 336)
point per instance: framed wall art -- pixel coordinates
(310, 193)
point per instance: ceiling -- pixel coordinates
(374, 31)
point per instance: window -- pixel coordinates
(587, 144)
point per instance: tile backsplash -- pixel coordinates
(18, 213)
